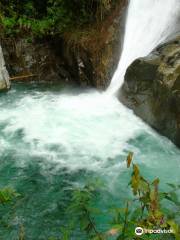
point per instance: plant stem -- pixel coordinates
(93, 225)
(125, 220)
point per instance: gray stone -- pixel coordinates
(152, 89)
(4, 76)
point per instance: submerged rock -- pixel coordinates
(4, 76)
(152, 89)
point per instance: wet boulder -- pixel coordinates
(152, 89)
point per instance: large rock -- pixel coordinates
(4, 76)
(152, 89)
(37, 59)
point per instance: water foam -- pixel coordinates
(85, 131)
(72, 129)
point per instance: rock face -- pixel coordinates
(4, 76)
(87, 58)
(98, 52)
(152, 89)
(37, 59)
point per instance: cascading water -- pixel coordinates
(149, 23)
(51, 141)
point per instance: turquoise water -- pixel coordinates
(53, 140)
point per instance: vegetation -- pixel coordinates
(144, 211)
(49, 17)
(7, 195)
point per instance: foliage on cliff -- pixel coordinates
(50, 17)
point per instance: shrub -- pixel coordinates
(49, 17)
(144, 211)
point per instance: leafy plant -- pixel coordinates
(7, 195)
(49, 17)
(143, 211)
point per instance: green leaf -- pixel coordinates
(7, 195)
(174, 226)
(172, 185)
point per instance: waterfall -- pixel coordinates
(149, 23)
(54, 139)
(4, 76)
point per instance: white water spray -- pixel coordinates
(87, 131)
(149, 23)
